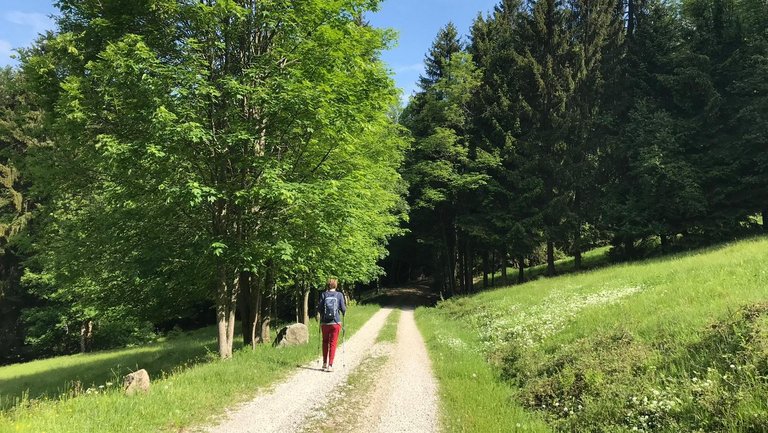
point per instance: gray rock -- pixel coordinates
(137, 381)
(293, 335)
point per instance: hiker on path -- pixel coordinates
(330, 309)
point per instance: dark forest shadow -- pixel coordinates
(406, 297)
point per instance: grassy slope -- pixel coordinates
(55, 376)
(187, 397)
(626, 347)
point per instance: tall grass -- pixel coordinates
(186, 397)
(626, 348)
(472, 398)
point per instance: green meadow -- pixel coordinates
(81, 393)
(671, 344)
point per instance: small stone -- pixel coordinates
(293, 335)
(137, 381)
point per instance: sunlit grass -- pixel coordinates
(187, 397)
(56, 376)
(388, 332)
(592, 341)
(472, 398)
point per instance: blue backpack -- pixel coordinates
(330, 309)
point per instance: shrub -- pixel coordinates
(617, 383)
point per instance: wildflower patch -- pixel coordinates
(529, 326)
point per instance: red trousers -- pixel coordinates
(330, 339)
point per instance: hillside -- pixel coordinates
(678, 343)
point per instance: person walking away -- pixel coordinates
(330, 308)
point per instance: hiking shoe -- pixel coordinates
(325, 367)
(329, 369)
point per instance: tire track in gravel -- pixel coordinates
(403, 397)
(407, 398)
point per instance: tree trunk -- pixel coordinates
(223, 307)
(246, 302)
(231, 316)
(227, 286)
(504, 267)
(227, 293)
(577, 243)
(630, 16)
(265, 336)
(463, 253)
(485, 269)
(469, 263)
(450, 259)
(256, 301)
(765, 219)
(460, 269)
(493, 269)
(86, 336)
(521, 269)
(305, 305)
(550, 258)
(664, 242)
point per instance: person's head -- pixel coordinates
(332, 283)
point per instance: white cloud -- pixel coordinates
(36, 21)
(5, 48)
(418, 67)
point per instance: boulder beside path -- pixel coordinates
(138, 381)
(292, 335)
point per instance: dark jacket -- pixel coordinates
(341, 304)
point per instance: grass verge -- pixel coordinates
(472, 398)
(182, 399)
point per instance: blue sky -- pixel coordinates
(416, 21)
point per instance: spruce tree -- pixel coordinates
(596, 30)
(446, 44)
(441, 167)
(548, 71)
(510, 196)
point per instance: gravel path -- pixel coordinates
(285, 407)
(405, 398)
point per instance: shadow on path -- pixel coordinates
(405, 298)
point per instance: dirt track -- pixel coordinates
(403, 397)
